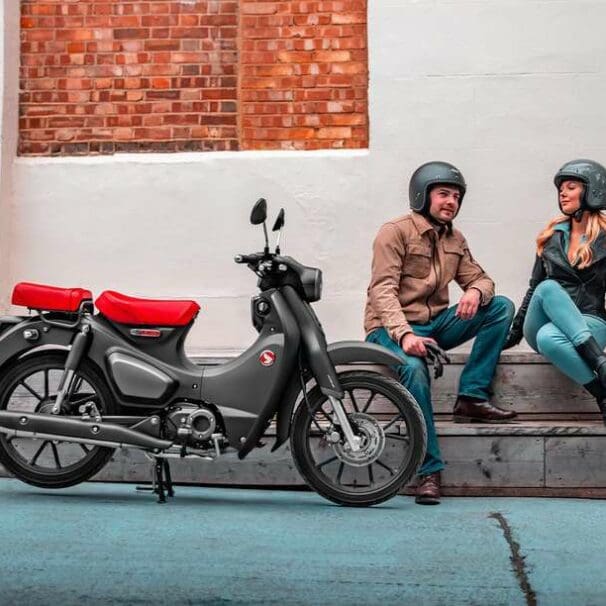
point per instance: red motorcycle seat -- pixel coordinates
(130, 310)
(49, 298)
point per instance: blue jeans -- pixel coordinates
(489, 327)
(554, 325)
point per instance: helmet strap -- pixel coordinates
(577, 215)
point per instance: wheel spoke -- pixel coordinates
(340, 472)
(381, 464)
(353, 400)
(38, 452)
(371, 478)
(46, 383)
(55, 455)
(77, 384)
(326, 462)
(317, 434)
(34, 393)
(397, 436)
(394, 420)
(85, 448)
(367, 405)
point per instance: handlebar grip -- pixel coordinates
(245, 258)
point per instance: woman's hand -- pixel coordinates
(415, 346)
(469, 304)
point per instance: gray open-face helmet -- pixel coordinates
(592, 175)
(428, 175)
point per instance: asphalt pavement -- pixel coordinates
(107, 544)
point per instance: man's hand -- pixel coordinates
(469, 304)
(415, 346)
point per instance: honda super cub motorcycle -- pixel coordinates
(76, 384)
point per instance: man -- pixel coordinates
(415, 257)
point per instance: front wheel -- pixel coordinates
(393, 440)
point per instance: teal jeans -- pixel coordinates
(489, 327)
(554, 325)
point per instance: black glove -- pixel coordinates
(437, 357)
(515, 333)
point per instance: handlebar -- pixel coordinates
(248, 259)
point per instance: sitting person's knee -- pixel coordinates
(504, 305)
(547, 341)
(548, 288)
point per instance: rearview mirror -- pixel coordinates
(259, 212)
(279, 224)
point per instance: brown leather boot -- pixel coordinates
(428, 489)
(474, 410)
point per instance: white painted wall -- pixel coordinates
(506, 89)
(170, 225)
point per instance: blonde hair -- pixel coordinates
(584, 255)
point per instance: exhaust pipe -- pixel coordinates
(53, 427)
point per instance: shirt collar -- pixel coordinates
(421, 223)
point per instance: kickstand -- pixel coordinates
(161, 480)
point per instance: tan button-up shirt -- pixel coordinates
(412, 266)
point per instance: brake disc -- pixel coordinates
(371, 445)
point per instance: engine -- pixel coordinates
(190, 425)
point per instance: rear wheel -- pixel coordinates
(31, 385)
(393, 440)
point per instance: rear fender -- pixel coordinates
(27, 335)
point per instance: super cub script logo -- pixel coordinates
(267, 358)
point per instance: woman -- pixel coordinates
(562, 315)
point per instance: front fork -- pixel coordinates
(72, 363)
(353, 440)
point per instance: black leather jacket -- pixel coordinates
(586, 287)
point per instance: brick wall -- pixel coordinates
(304, 74)
(101, 76)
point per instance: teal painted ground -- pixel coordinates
(106, 544)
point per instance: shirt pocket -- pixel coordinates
(452, 258)
(417, 263)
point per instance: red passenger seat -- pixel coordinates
(129, 310)
(49, 298)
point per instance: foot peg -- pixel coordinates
(162, 483)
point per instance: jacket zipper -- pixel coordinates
(435, 269)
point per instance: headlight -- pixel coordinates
(311, 279)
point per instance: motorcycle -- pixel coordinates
(78, 383)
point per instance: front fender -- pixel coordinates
(348, 352)
(340, 353)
